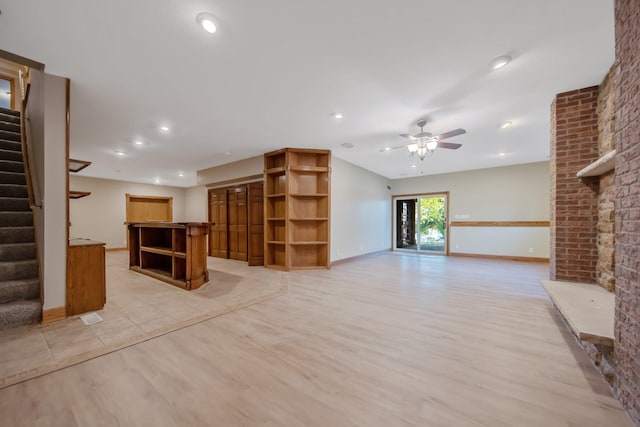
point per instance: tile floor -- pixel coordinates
(138, 308)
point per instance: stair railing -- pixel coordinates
(25, 132)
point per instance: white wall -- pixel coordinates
(360, 211)
(55, 192)
(510, 193)
(101, 215)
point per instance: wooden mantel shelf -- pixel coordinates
(601, 166)
(588, 309)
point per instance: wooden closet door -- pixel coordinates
(237, 220)
(256, 223)
(218, 220)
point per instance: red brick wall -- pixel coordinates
(627, 179)
(574, 202)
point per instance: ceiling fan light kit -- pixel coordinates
(423, 144)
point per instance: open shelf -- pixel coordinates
(601, 166)
(78, 194)
(297, 208)
(77, 165)
(157, 250)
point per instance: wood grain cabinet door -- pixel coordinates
(218, 220)
(86, 280)
(237, 220)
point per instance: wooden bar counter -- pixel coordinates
(174, 252)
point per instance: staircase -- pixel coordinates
(19, 283)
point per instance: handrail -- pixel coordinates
(25, 148)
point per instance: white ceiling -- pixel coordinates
(275, 71)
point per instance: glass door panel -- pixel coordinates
(421, 223)
(406, 224)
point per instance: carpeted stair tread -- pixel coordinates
(11, 166)
(7, 111)
(17, 251)
(22, 234)
(8, 118)
(15, 156)
(10, 136)
(10, 145)
(19, 290)
(13, 190)
(19, 313)
(12, 178)
(16, 219)
(16, 270)
(9, 126)
(14, 204)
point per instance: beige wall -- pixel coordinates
(360, 211)
(196, 208)
(55, 193)
(231, 171)
(101, 215)
(510, 193)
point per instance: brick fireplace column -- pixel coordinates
(627, 181)
(574, 202)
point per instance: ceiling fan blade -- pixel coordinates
(382, 150)
(450, 145)
(409, 137)
(450, 134)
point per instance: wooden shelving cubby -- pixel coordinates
(172, 252)
(297, 208)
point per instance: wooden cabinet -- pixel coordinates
(173, 252)
(86, 280)
(297, 195)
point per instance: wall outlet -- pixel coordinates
(457, 246)
(530, 250)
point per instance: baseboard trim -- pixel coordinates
(357, 257)
(53, 315)
(500, 257)
(115, 249)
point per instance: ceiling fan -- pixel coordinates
(424, 143)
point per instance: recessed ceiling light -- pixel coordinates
(180, 174)
(337, 116)
(347, 145)
(164, 128)
(119, 153)
(207, 21)
(499, 62)
(387, 148)
(414, 166)
(505, 125)
(501, 154)
(138, 142)
(156, 180)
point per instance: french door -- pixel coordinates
(420, 223)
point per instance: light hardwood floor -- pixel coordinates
(387, 340)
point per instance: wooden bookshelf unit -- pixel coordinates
(173, 252)
(296, 208)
